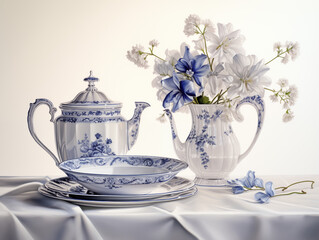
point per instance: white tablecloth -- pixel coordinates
(211, 214)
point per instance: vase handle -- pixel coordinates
(52, 110)
(257, 102)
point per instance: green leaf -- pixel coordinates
(203, 100)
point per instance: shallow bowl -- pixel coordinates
(125, 174)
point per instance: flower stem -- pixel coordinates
(205, 50)
(285, 188)
(158, 57)
(271, 90)
(279, 54)
(208, 58)
(285, 194)
(152, 54)
(219, 96)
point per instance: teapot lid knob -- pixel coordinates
(91, 79)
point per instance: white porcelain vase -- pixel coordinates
(211, 149)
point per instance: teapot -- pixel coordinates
(90, 125)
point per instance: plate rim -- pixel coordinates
(119, 197)
(183, 166)
(102, 203)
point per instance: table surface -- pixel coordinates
(211, 214)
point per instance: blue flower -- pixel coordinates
(181, 92)
(238, 189)
(264, 197)
(259, 182)
(234, 182)
(193, 66)
(236, 186)
(250, 181)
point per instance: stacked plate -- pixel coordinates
(120, 181)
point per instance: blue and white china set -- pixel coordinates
(92, 139)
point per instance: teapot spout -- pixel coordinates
(178, 145)
(134, 123)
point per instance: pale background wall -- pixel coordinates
(48, 47)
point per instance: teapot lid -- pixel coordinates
(90, 98)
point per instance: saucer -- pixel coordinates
(65, 186)
(122, 174)
(113, 204)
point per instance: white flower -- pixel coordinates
(282, 82)
(288, 116)
(154, 43)
(246, 76)
(291, 101)
(273, 98)
(172, 56)
(215, 80)
(294, 52)
(293, 94)
(190, 24)
(286, 105)
(137, 56)
(285, 59)
(156, 83)
(161, 94)
(209, 26)
(227, 44)
(163, 68)
(200, 45)
(277, 46)
(293, 91)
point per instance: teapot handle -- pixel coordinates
(257, 102)
(33, 107)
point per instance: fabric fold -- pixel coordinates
(211, 214)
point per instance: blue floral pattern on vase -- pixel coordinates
(97, 148)
(229, 131)
(203, 137)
